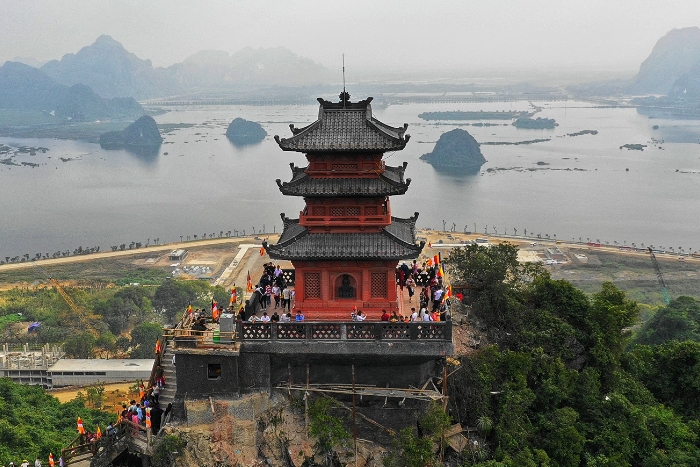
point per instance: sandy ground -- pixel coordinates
(117, 393)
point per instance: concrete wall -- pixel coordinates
(256, 370)
(193, 378)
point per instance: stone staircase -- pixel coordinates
(167, 394)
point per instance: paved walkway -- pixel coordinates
(234, 264)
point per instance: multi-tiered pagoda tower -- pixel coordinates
(345, 245)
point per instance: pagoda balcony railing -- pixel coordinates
(320, 221)
(344, 331)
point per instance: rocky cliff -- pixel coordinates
(455, 149)
(142, 133)
(242, 132)
(671, 60)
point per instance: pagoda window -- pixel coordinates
(378, 284)
(353, 210)
(370, 210)
(346, 286)
(344, 167)
(318, 211)
(312, 285)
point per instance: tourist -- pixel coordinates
(411, 286)
(253, 319)
(156, 393)
(437, 298)
(275, 317)
(360, 316)
(278, 271)
(394, 317)
(414, 315)
(386, 316)
(160, 376)
(268, 295)
(285, 318)
(37, 462)
(25, 463)
(299, 316)
(285, 298)
(265, 319)
(434, 316)
(400, 277)
(276, 295)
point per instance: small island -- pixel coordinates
(634, 147)
(456, 149)
(242, 132)
(475, 115)
(538, 123)
(143, 133)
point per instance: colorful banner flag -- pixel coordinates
(52, 463)
(262, 251)
(99, 433)
(249, 283)
(234, 296)
(189, 309)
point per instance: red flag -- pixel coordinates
(51, 461)
(99, 433)
(213, 305)
(249, 283)
(262, 251)
(436, 259)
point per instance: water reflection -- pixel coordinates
(147, 154)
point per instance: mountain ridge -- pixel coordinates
(112, 71)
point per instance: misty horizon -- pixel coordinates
(582, 40)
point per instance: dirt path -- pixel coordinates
(116, 393)
(136, 251)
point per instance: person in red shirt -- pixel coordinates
(385, 315)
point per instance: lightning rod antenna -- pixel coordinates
(344, 81)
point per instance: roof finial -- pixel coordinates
(344, 93)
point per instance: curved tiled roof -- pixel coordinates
(345, 128)
(390, 182)
(396, 241)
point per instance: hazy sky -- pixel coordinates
(373, 34)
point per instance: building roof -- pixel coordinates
(388, 183)
(394, 242)
(97, 364)
(344, 127)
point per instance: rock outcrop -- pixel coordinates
(455, 149)
(242, 132)
(671, 60)
(143, 133)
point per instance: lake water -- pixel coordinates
(199, 183)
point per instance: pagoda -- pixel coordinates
(345, 245)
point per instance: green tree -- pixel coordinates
(411, 450)
(80, 346)
(143, 339)
(496, 280)
(679, 320)
(327, 428)
(610, 316)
